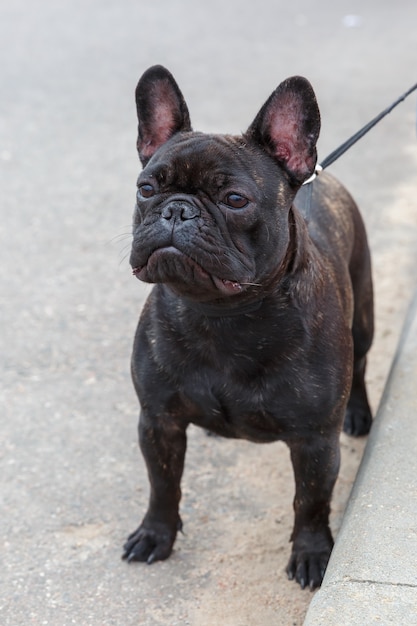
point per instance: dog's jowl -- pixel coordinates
(261, 315)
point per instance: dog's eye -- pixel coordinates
(235, 201)
(146, 190)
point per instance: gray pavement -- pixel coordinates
(372, 574)
(72, 482)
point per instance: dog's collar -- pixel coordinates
(314, 175)
(216, 310)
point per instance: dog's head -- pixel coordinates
(213, 217)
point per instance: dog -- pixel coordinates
(261, 316)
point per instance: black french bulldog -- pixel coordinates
(261, 319)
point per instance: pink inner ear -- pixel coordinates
(164, 124)
(294, 155)
(161, 130)
(164, 111)
(291, 148)
(282, 151)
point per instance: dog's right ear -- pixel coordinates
(162, 111)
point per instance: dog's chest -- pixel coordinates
(250, 389)
(263, 409)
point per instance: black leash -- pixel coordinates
(349, 143)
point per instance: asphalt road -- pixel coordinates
(72, 481)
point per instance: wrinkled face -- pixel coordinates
(211, 219)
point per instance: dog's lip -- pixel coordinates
(224, 285)
(227, 286)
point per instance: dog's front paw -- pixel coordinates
(309, 558)
(151, 542)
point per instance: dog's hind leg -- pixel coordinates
(358, 418)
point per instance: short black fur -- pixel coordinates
(259, 323)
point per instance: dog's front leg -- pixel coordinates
(316, 464)
(163, 443)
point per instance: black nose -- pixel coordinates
(181, 210)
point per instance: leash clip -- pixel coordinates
(314, 175)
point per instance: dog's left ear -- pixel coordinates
(162, 111)
(288, 126)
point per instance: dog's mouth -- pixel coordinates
(171, 266)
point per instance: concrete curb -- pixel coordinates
(372, 574)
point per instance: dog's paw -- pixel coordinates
(150, 543)
(309, 559)
(357, 422)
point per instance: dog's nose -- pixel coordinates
(182, 210)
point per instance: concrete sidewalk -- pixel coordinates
(372, 574)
